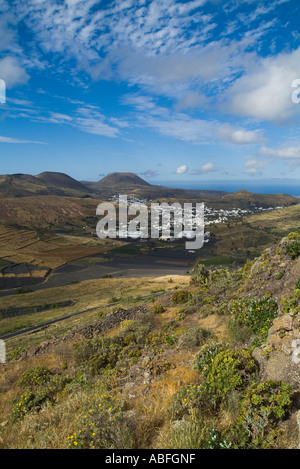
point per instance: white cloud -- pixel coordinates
(187, 128)
(182, 169)
(265, 92)
(182, 127)
(261, 10)
(205, 168)
(87, 119)
(57, 117)
(12, 72)
(191, 100)
(154, 44)
(239, 136)
(16, 140)
(286, 152)
(253, 166)
(96, 126)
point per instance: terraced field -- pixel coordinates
(21, 246)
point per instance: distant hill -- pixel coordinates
(60, 184)
(47, 183)
(60, 180)
(244, 199)
(116, 180)
(134, 185)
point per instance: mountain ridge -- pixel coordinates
(50, 183)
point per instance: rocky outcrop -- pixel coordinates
(279, 357)
(274, 272)
(112, 320)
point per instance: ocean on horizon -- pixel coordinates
(290, 187)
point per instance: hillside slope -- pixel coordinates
(47, 183)
(212, 365)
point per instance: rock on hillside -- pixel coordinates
(279, 357)
(276, 273)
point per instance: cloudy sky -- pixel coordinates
(171, 90)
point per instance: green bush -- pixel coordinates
(263, 408)
(293, 235)
(103, 427)
(229, 370)
(158, 309)
(293, 249)
(181, 296)
(194, 337)
(256, 315)
(206, 354)
(224, 370)
(297, 286)
(23, 291)
(201, 276)
(41, 385)
(100, 354)
(35, 377)
(188, 399)
(27, 402)
(180, 314)
(291, 304)
(97, 354)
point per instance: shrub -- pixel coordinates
(41, 385)
(23, 291)
(238, 332)
(291, 303)
(201, 276)
(194, 337)
(103, 427)
(97, 354)
(293, 249)
(224, 370)
(34, 377)
(263, 408)
(100, 354)
(158, 309)
(228, 371)
(297, 286)
(256, 315)
(293, 235)
(181, 296)
(188, 433)
(206, 354)
(188, 399)
(27, 402)
(180, 314)
(157, 366)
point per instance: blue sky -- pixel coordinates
(171, 90)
